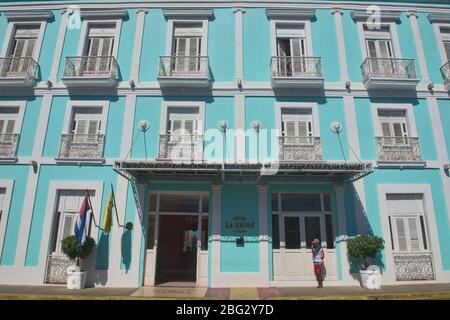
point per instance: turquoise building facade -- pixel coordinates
(232, 134)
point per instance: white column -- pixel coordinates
(263, 234)
(215, 243)
(134, 73)
(239, 63)
(342, 236)
(239, 120)
(337, 13)
(59, 46)
(412, 15)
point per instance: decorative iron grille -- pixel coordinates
(398, 148)
(305, 67)
(181, 147)
(79, 146)
(8, 145)
(172, 66)
(445, 71)
(12, 67)
(95, 66)
(388, 68)
(413, 266)
(56, 272)
(300, 148)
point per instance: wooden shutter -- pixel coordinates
(401, 234)
(447, 49)
(413, 234)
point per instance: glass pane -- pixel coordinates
(204, 233)
(292, 232)
(205, 204)
(178, 203)
(312, 230)
(329, 231)
(274, 201)
(326, 202)
(275, 232)
(151, 231)
(300, 202)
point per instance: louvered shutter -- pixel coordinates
(447, 49)
(106, 52)
(401, 234)
(93, 52)
(194, 46)
(92, 130)
(297, 63)
(413, 234)
(180, 54)
(2, 122)
(67, 226)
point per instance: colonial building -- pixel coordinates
(233, 134)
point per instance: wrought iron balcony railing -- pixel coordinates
(181, 147)
(398, 148)
(300, 148)
(413, 266)
(81, 146)
(95, 66)
(186, 66)
(8, 145)
(12, 67)
(389, 68)
(445, 71)
(301, 67)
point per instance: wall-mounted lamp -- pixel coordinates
(430, 86)
(239, 84)
(222, 126)
(348, 84)
(132, 84)
(256, 126)
(35, 165)
(49, 83)
(143, 125)
(336, 127)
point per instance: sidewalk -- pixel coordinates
(420, 291)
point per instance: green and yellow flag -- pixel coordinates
(107, 220)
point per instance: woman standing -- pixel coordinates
(318, 256)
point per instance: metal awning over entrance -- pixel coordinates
(333, 171)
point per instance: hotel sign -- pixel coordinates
(239, 225)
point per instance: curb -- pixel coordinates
(387, 296)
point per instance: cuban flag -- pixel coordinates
(80, 224)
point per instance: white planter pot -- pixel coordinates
(76, 279)
(371, 278)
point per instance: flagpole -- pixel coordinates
(115, 207)
(92, 213)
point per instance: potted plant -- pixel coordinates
(76, 278)
(364, 248)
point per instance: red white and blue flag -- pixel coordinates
(80, 224)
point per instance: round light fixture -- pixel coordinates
(336, 127)
(143, 125)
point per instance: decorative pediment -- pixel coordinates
(29, 15)
(385, 16)
(201, 14)
(297, 14)
(439, 17)
(104, 14)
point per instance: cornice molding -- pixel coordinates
(104, 14)
(300, 14)
(27, 15)
(385, 16)
(188, 14)
(439, 17)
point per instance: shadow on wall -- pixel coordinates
(126, 249)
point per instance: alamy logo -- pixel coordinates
(374, 20)
(74, 21)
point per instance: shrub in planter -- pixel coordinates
(364, 248)
(70, 248)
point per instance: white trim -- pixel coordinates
(170, 31)
(238, 42)
(313, 106)
(59, 46)
(295, 14)
(419, 45)
(308, 35)
(8, 185)
(16, 104)
(71, 104)
(352, 127)
(128, 125)
(28, 15)
(385, 16)
(440, 41)
(139, 32)
(410, 120)
(188, 14)
(239, 123)
(438, 130)
(87, 14)
(429, 213)
(342, 236)
(215, 215)
(393, 37)
(263, 233)
(343, 68)
(41, 130)
(83, 41)
(180, 104)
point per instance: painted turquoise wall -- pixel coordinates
(444, 112)
(153, 44)
(18, 173)
(325, 44)
(256, 45)
(221, 45)
(427, 176)
(48, 45)
(114, 124)
(366, 131)
(430, 45)
(3, 26)
(239, 200)
(29, 125)
(70, 48)
(352, 47)
(126, 45)
(407, 44)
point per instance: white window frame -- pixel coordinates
(170, 33)
(11, 30)
(410, 120)
(73, 104)
(393, 37)
(84, 36)
(16, 104)
(181, 104)
(8, 185)
(306, 23)
(430, 221)
(440, 40)
(313, 106)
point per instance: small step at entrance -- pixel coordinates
(170, 292)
